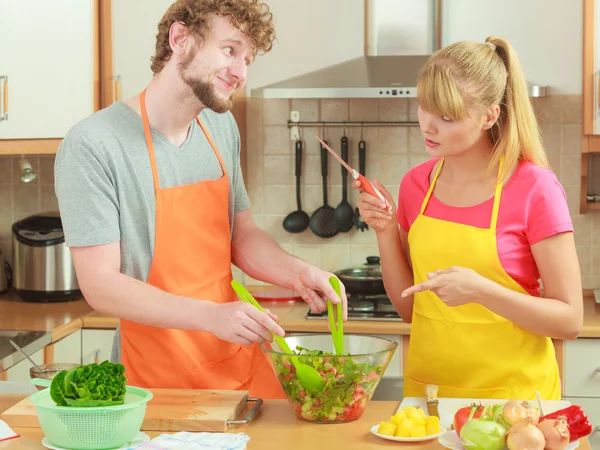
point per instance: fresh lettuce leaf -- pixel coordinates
(90, 385)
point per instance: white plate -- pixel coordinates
(141, 438)
(374, 429)
(452, 441)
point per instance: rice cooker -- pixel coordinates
(42, 267)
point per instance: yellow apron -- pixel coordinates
(469, 351)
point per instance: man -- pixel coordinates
(155, 211)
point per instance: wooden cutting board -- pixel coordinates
(169, 410)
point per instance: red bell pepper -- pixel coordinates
(577, 421)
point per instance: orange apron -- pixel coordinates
(469, 351)
(192, 258)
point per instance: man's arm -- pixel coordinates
(258, 255)
(111, 292)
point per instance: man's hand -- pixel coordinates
(454, 286)
(314, 287)
(241, 323)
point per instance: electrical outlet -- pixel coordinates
(294, 131)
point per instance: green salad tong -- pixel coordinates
(337, 332)
(307, 375)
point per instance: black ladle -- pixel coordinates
(297, 221)
(344, 215)
(322, 221)
(362, 162)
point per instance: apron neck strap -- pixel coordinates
(149, 144)
(497, 195)
(430, 191)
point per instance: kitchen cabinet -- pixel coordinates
(20, 371)
(582, 380)
(47, 74)
(96, 345)
(590, 141)
(68, 349)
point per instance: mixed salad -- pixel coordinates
(348, 385)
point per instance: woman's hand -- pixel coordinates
(373, 211)
(454, 286)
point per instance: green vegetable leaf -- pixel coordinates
(90, 385)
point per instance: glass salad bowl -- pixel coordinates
(349, 379)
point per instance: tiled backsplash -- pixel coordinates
(19, 200)
(391, 151)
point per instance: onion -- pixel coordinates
(556, 433)
(524, 435)
(514, 411)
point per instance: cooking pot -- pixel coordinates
(364, 279)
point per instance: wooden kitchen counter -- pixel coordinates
(64, 318)
(61, 318)
(276, 427)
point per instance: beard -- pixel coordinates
(204, 90)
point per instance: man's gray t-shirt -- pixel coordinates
(104, 184)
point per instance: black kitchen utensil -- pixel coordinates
(322, 221)
(344, 215)
(362, 162)
(297, 221)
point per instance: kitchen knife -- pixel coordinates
(365, 184)
(431, 392)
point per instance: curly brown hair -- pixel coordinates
(251, 17)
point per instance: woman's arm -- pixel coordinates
(560, 313)
(396, 270)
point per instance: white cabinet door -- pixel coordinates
(20, 371)
(96, 345)
(134, 39)
(46, 53)
(582, 368)
(68, 349)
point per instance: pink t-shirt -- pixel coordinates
(533, 207)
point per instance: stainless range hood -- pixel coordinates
(401, 35)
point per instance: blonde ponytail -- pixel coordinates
(516, 135)
(479, 75)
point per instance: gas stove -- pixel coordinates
(377, 307)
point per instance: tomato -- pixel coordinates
(462, 416)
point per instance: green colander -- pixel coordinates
(91, 428)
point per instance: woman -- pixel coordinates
(480, 223)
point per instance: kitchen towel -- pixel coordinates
(185, 440)
(6, 432)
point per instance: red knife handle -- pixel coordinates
(368, 187)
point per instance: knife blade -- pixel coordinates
(365, 184)
(431, 392)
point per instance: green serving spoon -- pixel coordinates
(307, 375)
(337, 332)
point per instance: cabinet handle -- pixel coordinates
(118, 88)
(97, 356)
(4, 115)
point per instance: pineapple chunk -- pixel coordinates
(387, 428)
(398, 417)
(404, 428)
(432, 425)
(418, 431)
